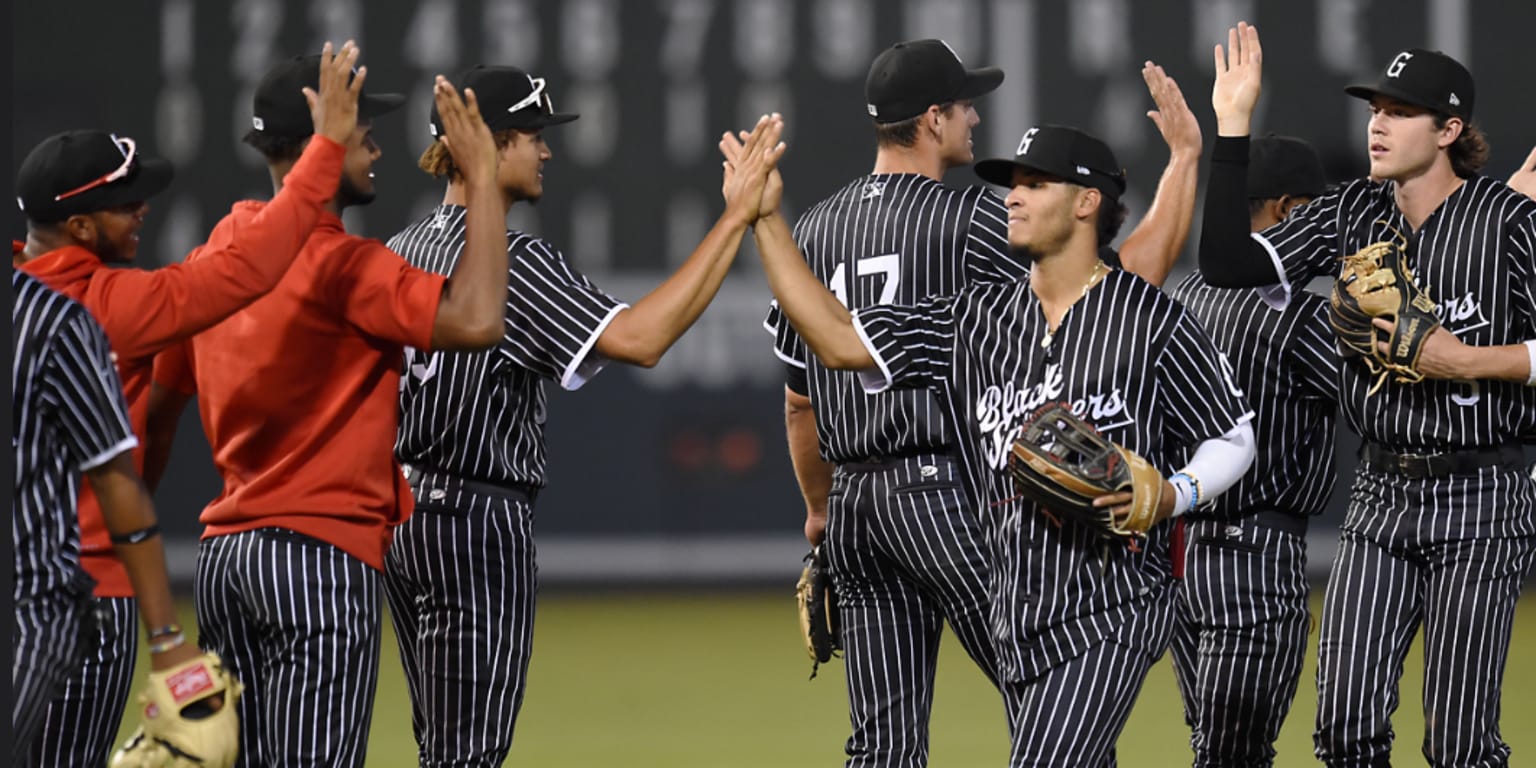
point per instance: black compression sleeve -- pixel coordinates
(794, 378)
(1229, 258)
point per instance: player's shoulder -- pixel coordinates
(1514, 206)
(37, 301)
(524, 245)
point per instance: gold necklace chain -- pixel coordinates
(1050, 335)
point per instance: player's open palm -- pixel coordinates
(334, 109)
(1239, 75)
(1173, 117)
(465, 133)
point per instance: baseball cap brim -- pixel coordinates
(375, 104)
(149, 177)
(998, 171)
(1368, 91)
(979, 82)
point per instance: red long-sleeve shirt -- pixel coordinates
(144, 312)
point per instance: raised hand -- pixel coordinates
(1239, 75)
(749, 165)
(334, 109)
(1173, 117)
(465, 134)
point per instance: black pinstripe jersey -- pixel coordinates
(891, 239)
(1131, 361)
(480, 415)
(68, 416)
(1476, 255)
(1283, 358)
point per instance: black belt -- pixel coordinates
(879, 463)
(431, 482)
(1379, 458)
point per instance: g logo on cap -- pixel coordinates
(1396, 67)
(1029, 138)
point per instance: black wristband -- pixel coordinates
(1230, 149)
(135, 537)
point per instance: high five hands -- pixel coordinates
(751, 179)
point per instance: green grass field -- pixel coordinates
(719, 680)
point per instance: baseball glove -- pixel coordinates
(1062, 463)
(818, 610)
(1376, 282)
(189, 719)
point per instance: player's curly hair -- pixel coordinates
(903, 133)
(276, 149)
(1469, 153)
(1112, 215)
(437, 161)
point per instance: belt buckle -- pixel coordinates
(1413, 464)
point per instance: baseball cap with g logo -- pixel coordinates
(1428, 79)
(1063, 152)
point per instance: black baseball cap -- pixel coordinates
(908, 78)
(509, 98)
(1428, 79)
(1284, 165)
(279, 108)
(1060, 151)
(85, 171)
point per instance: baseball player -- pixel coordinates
(1241, 616)
(1441, 524)
(1076, 622)
(84, 195)
(297, 394)
(880, 474)
(461, 576)
(68, 419)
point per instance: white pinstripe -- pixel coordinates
(1450, 554)
(905, 553)
(47, 641)
(297, 621)
(82, 719)
(462, 583)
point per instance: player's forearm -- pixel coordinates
(130, 518)
(1506, 362)
(642, 334)
(1152, 249)
(812, 473)
(472, 312)
(821, 320)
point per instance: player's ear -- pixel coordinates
(81, 229)
(1088, 201)
(1449, 132)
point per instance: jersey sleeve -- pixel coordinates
(1313, 360)
(1305, 244)
(1199, 395)
(382, 295)
(988, 256)
(555, 315)
(913, 346)
(1521, 237)
(82, 381)
(787, 344)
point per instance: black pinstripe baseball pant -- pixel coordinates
(297, 621)
(462, 582)
(906, 552)
(1449, 553)
(50, 633)
(82, 719)
(1240, 636)
(1073, 714)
